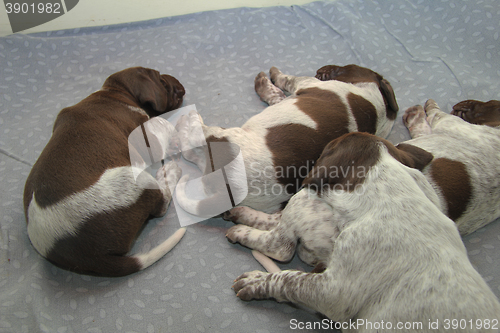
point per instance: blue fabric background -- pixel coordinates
(445, 50)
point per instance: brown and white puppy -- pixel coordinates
(465, 171)
(391, 260)
(280, 145)
(83, 203)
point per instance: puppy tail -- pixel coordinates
(114, 265)
(266, 262)
(147, 259)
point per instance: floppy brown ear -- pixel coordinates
(390, 97)
(149, 91)
(147, 88)
(412, 156)
(344, 162)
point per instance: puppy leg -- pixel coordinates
(290, 83)
(167, 177)
(253, 218)
(415, 120)
(278, 243)
(192, 139)
(267, 91)
(434, 113)
(310, 289)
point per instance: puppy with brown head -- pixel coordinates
(386, 251)
(84, 201)
(280, 144)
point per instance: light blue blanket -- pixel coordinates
(445, 50)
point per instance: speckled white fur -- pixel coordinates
(390, 255)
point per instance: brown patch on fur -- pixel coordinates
(102, 242)
(345, 161)
(364, 112)
(295, 147)
(479, 113)
(453, 179)
(357, 74)
(411, 156)
(92, 135)
(319, 268)
(89, 138)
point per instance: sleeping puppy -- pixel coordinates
(84, 202)
(465, 171)
(390, 259)
(280, 144)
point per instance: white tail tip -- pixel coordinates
(147, 259)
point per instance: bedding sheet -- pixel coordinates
(448, 50)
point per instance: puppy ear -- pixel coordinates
(412, 156)
(390, 97)
(150, 91)
(146, 87)
(344, 163)
(316, 179)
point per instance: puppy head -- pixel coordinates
(346, 160)
(151, 91)
(479, 113)
(356, 74)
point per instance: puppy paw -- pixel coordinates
(192, 139)
(251, 285)
(326, 73)
(169, 175)
(433, 112)
(466, 110)
(234, 214)
(274, 73)
(414, 119)
(237, 233)
(268, 92)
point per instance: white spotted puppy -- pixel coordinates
(388, 253)
(280, 145)
(465, 171)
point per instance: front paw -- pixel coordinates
(191, 137)
(251, 285)
(237, 233)
(234, 214)
(169, 175)
(414, 115)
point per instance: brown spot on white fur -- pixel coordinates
(364, 112)
(479, 113)
(296, 146)
(76, 216)
(355, 74)
(454, 182)
(70, 152)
